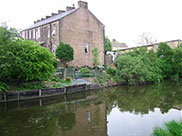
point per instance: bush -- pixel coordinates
(172, 128)
(24, 60)
(111, 71)
(84, 70)
(138, 67)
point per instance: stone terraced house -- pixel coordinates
(75, 26)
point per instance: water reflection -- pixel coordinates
(128, 111)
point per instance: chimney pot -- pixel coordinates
(60, 11)
(48, 17)
(82, 4)
(35, 22)
(53, 14)
(68, 8)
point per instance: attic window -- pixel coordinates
(87, 48)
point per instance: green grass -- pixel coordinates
(172, 128)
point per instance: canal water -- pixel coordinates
(121, 111)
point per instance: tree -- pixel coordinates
(64, 53)
(108, 44)
(7, 34)
(95, 52)
(146, 38)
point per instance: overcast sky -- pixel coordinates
(124, 20)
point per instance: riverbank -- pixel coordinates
(48, 92)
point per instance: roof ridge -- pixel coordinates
(51, 19)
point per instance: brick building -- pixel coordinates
(75, 26)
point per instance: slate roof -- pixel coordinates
(51, 19)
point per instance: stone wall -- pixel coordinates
(79, 28)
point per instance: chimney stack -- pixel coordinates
(53, 14)
(38, 21)
(42, 19)
(82, 4)
(48, 17)
(60, 11)
(68, 8)
(35, 22)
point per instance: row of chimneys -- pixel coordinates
(68, 8)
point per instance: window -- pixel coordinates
(86, 47)
(38, 33)
(27, 35)
(23, 34)
(30, 34)
(48, 32)
(33, 33)
(54, 30)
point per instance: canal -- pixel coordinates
(121, 111)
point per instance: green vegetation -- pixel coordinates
(3, 87)
(95, 52)
(140, 66)
(172, 128)
(64, 53)
(22, 60)
(84, 71)
(108, 44)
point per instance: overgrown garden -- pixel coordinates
(140, 66)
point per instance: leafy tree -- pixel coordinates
(64, 53)
(7, 34)
(95, 52)
(23, 60)
(108, 44)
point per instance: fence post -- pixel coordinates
(18, 97)
(40, 92)
(64, 90)
(5, 97)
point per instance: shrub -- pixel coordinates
(138, 67)
(64, 53)
(95, 52)
(172, 128)
(84, 70)
(111, 71)
(24, 60)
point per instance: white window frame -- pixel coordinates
(33, 33)
(54, 30)
(26, 35)
(23, 34)
(30, 34)
(48, 32)
(86, 48)
(38, 33)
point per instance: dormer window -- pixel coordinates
(86, 48)
(54, 30)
